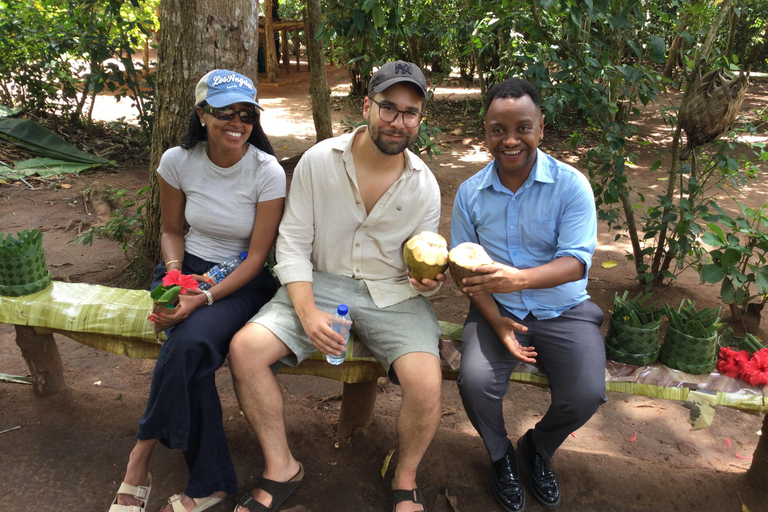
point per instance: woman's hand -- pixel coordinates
(164, 317)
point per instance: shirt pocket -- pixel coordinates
(542, 236)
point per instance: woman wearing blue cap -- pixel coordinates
(225, 183)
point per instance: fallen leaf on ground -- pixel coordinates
(385, 466)
(608, 264)
(634, 438)
(452, 501)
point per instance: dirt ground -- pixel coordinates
(635, 454)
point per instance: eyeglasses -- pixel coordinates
(388, 114)
(247, 115)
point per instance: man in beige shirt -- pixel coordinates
(354, 200)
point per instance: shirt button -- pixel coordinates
(357, 270)
(511, 227)
(357, 245)
(514, 253)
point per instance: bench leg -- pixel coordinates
(357, 404)
(43, 358)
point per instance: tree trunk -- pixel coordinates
(673, 57)
(319, 90)
(270, 56)
(731, 34)
(413, 46)
(757, 474)
(194, 38)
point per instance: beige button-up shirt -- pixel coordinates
(325, 226)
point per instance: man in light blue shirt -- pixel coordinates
(535, 217)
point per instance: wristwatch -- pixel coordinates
(210, 297)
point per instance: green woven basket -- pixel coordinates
(22, 264)
(637, 346)
(688, 353)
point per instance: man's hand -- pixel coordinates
(317, 325)
(495, 278)
(426, 285)
(505, 329)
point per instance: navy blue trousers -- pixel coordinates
(570, 351)
(183, 410)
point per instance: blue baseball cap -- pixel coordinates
(222, 87)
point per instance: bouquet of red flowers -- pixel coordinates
(174, 283)
(747, 365)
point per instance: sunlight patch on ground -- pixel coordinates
(107, 109)
(341, 90)
(477, 154)
(455, 93)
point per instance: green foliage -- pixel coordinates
(698, 324)
(122, 226)
(165, 295)
(58, 53)
(635, 312)
(738, 255)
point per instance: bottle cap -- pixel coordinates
(243, 255)
(342, 310)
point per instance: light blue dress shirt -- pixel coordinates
(552, 215)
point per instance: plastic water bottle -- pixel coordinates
(340, 324)
(217, 273)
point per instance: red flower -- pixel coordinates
(731, 363)
(175, 277)
(171, 277)
(756, 369)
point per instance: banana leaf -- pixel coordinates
(43, 167)
(32, 137)
(6, 111)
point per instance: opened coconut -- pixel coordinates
(426, 255)
(463, 258)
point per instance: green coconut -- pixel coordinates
(426, 255)
(463, 258)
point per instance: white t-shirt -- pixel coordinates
(221, 201)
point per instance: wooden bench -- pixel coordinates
(115, 320)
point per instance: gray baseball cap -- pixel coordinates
(394, 72)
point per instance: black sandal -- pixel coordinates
(278, 490)
(414, 495)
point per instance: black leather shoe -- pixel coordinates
(543, 480)
(505, 480)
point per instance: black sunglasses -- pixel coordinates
(247, 115)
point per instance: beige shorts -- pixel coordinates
(409, 326)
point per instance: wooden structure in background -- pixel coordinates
(267, 28)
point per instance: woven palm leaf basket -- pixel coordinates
(637, 346)
(689, 354)
(633, 336)
(711, 108)
(690, 344)
(22, 264)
